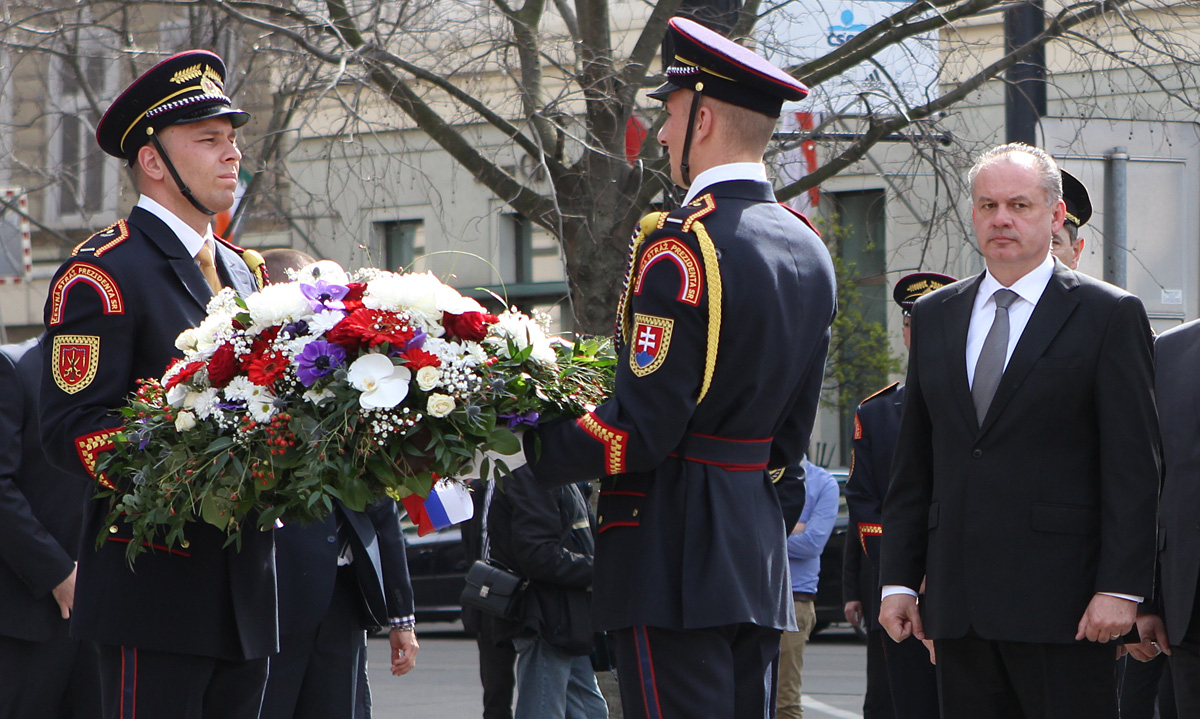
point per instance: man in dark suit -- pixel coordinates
(186, 632)
(1026, 472)
(1176, 357)
(46, 672)
(337, 579)
(724, 329)
(912, 685)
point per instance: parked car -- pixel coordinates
(438, 567)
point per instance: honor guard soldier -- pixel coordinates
(1067, 245)
(723, 334)
(910, 674)
(187, 632)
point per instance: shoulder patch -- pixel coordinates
(84, 273)
(104, 240)
(881, 392)
(674, 250)
(73, 361)
(650, 342)
(615, 441)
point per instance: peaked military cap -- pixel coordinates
(912, 287)
(188, 87)
(1075, 195)
(718, 67)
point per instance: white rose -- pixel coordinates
(440, 405)
(185, 421)
(427, 378)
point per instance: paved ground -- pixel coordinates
(445, 684)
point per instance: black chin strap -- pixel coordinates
(183, 189)
(685, 171)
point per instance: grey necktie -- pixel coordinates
(991, 358)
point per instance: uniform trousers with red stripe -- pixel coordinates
(140, 684)
(724, 672)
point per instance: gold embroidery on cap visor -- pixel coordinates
(73, 360)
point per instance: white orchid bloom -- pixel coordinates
(383, 384)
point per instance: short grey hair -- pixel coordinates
(1048, 173)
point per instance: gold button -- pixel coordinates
(112, 529)
(185, 544)
(699, 87)
(635, 512)
(600, 519)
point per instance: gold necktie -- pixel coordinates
(208, 268)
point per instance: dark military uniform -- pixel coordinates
(185, 633)
(912, 678)
(690, 531)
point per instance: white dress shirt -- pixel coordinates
(1029, 290)
(724, 173)
(192, 240)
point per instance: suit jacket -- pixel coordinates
(306, 560)
(690, 531)
(114, 311)
(1020, 521)
(876, 426)
(1176, 357)
(41, 507)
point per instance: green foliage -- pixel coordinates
(860, 355)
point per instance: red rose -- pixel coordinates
(264, 370)
(222, 366)
(470, 326)
(184, 374)
(353, 299)
(417, 359)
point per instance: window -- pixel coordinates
(535, 252)
(86, 189)
(403, 243)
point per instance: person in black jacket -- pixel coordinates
(546, 537)
(46, 672)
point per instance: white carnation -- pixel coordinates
(523, 332)
(277, 305)
(240, 388)
(324, 321)
(203, 403)
(214, 331)
(186, 341)
(416, 292)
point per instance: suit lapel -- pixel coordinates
(181, 262)
(957, 308)
(1055, 306)
(234, 270)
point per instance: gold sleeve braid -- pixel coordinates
(712, 272)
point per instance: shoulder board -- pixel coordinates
(104, 240)
(886, 390)
(684, 217)
(802, 216)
